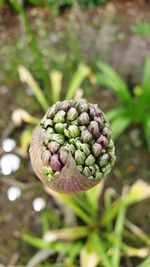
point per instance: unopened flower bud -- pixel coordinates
(60, 116)
(102, 140)
(55, 163)
(96, 149)
(85, 148)
(79, 157)
(84, 118)
(60, 127)
(59, 138)
(65, 105)
(103, 160)
(73, 131)
(90, 160)
(87, 172)
(80, 168)
(86, 137)
(94, 129)
(63, 156)
(52, 111)
(48, 123)
(72, 114)
(53, 147)
(46, 155)
(71, 148)
(98, 175)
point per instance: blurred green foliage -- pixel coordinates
(99, 238)
(59, 5)
(141, 28)
(135, 107)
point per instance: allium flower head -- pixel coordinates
(72, 149)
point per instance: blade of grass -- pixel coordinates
(146, 126)
(119, 227)
(82, 72)
(119, 124)
(99, 245)
(27, 78)
(116, 112)
(56, 79)
(110, 79)
(66, 234)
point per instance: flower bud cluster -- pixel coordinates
(78, 128)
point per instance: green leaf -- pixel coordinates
(145, 263)
(118, 232)
(100, 248)
(89, 256)
(110, 79)
(146, 80)
(26, 137)
(82, 72)
(67, 234)
(146, 127)
(116, 112)
(56, 79)
(26, 77)
(119, 124)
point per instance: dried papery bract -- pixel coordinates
(71, 149)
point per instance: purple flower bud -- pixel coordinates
(96, 149)
(53, 147)
(46, 155)
(63, 156)
(55, 163)
(86, 137)
(92, 112)
(102, 140)
(52, 111)
(94, 129)
(99, 121)
(84, 119)
(65, 105)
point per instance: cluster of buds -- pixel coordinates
(73, 145)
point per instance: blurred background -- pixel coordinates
(51, 50)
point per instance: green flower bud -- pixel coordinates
(79, 157)
(48, 123)
(70, 148)
(84, 118)
(50, 130)
(73, 131)
(106, 132)
(106, 170)
(60, 127)
(103, 160)
(48, 173)
(53, 147)
(80, 168)
(86, 137)
(96, 167)
(60, 116)
(87, 172)
(59, 138)
(85, 148)
(72, 114)
(96, 149)
(92, 169)
(82, 128)
(75, 122)
(98, 175)
(78, 144)
(90, 160)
